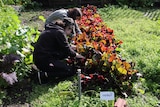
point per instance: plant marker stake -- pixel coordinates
(79, 84)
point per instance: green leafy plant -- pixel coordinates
(42, 18)
(15, 39)
(1, 3)
(12, 2)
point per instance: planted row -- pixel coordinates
(104, 66)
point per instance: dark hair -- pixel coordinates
(74, 12)
(59, 23)
(68, 22)
(65, 23)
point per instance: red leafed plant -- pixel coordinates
(103, 66)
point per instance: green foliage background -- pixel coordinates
(136, 3)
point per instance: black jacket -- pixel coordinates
(52, 45)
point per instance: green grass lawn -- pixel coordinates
(141, 40)
(140, 32)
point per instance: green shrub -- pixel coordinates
(26, 4)
(136, 3)
(16, 39)
(12, 2)
(31, 5)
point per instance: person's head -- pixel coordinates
(67, 24)
(75, 13)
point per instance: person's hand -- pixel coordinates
(79, 56)
(79, 33)
(73, 47)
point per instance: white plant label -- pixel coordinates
(107, 95)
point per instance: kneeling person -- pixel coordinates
(52, 48)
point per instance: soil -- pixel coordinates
(31, 17)
(17, 94)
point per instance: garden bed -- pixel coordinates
(134, 49)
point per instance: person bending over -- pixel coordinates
(52, 48)
(74, 13)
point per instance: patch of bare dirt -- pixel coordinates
(31, 17)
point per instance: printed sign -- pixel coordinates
(107, 95)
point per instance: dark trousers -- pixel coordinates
(59, 69)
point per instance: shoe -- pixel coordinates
(42, 77)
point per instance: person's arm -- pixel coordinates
(77, 30)
(63, 42)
